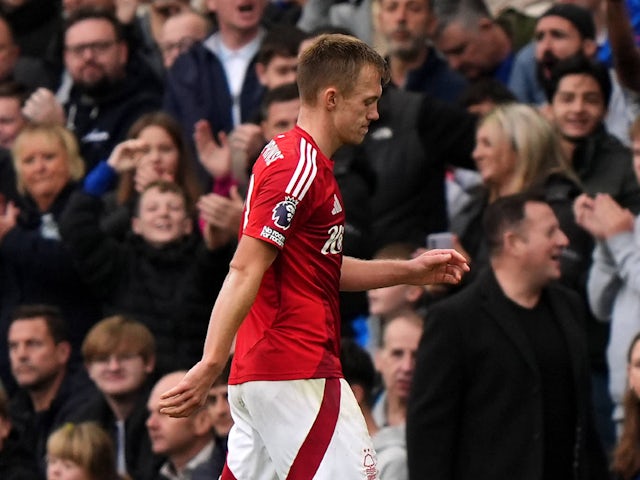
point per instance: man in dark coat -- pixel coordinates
(501, 387)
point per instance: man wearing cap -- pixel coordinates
(565, 31)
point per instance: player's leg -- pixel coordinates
(300, 422)
(248, 458)
(350, 453)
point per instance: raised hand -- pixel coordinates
(214, 156)
(127, 155)
(42, 107)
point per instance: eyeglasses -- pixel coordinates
(181, 45)
(96, 48)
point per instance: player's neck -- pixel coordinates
(320, 128)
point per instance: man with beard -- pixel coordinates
(48, 393)
(109, 92)
(415, 65)
(564, 31)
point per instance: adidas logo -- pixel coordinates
(337, 208)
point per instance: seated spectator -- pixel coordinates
(581, 88)
(565, 31)
(49, 392)
(395, 361)
(12, 97)
(80, 451)
(230, 157)
(35, 265)
(119, 355)
(163, 276)
(218, 406)
(389, 442)
(161, 154)
(216, 80)
(17, 460)
(28, 71)
(187, 442)
(276, 65)
(179, 32)
(35, 23)
(626, 457)
(472, 41)
(389, 302)
(518, 150)
(484, 95)
(109, 91)
(613, 293)
(415, 64)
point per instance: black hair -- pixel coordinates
(580, 65)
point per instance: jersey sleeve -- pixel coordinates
(278, 194)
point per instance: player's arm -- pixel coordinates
(252, 258)
(432, 266)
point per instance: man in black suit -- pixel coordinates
(501, 382)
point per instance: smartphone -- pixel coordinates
(440, 240)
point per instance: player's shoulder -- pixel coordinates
(286, 151)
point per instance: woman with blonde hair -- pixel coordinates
(517, 150)
(35, 266)
(81, 451)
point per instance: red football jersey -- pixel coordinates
(293, 328)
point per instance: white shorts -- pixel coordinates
(298, 430)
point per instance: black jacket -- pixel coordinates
(141, 462)
(170, 289)
(102, 119)
(17, 460)
(37, 268)
(476, 410)
(35, 427)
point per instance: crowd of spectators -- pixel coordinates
(128, 129)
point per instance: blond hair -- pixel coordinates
(118, 334)
(534, 141)
(53, 133)
(87, 445)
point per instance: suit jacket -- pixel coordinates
(476, 410)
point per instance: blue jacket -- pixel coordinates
(196, 88)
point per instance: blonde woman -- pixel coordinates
(35, 265)
(516, 150)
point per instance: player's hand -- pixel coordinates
(190, 394)
(214, 156)
(42, 107)
(439, 266)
